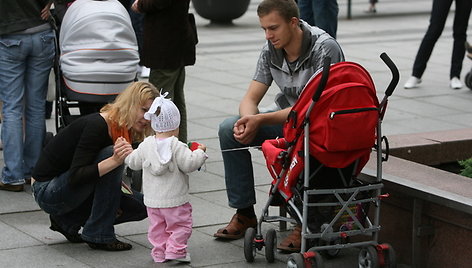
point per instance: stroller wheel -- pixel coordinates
(330, 253)
(314, 258)
(468, 79)
(249, 244)
(368, 257)
(308, 259)
(270, 244)
(295, 260)
(389, 255)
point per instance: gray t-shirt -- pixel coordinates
(272, 65)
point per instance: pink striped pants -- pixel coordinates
(169, 231)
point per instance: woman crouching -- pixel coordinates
(78, 177)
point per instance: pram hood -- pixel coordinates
(343, 120)
(99, 51)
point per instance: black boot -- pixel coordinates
(116, 245)
(73, 238)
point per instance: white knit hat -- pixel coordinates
(168, 116)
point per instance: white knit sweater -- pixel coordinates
(165, 181)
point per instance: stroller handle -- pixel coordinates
(324, 79)
(395, 74)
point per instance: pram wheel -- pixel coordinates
(270, 242)
(330, 253)
(468, 79)
(249, 244)
(388, 255)
(295, 260)
(368, 257)
(308, 259)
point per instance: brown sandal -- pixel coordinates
(292, 242)
(236, 227)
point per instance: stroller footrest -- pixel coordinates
(278, 218)
(366, 231)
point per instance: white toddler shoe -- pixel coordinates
(185, 259)
(455, 83)
(412, 82)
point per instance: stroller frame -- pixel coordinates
(330, 242)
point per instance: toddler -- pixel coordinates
(165, 162)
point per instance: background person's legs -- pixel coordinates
(173, 81)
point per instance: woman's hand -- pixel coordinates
(121, 150)
(45, 12)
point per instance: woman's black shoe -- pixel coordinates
(73, 238)
(113, 246)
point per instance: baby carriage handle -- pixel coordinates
(395, 73)
(324, 79)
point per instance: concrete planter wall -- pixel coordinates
(428, 216)
(424, 233)
(220, 11)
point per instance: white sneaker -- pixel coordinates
(145, 72)
(455, 83)
(184, 259)
(412, 82)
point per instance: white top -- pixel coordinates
(165, 164)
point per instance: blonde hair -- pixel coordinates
(123, 110)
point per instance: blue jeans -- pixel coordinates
(25, 63)
(93, 205)
(320, 13)
(239, 175)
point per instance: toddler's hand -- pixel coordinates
(202, 146)
(195, 145)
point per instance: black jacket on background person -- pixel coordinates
(169, 41)
(19, 15)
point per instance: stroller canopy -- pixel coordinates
(343, 120)
(99, 51)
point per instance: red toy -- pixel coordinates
(193, 145)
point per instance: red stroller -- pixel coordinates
(328, 138)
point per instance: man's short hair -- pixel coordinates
(287, 8)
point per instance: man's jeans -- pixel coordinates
(93, 205)
(239, 173)
(25, 63)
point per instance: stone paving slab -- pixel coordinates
(23, 201)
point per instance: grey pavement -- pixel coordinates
(226, 59)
